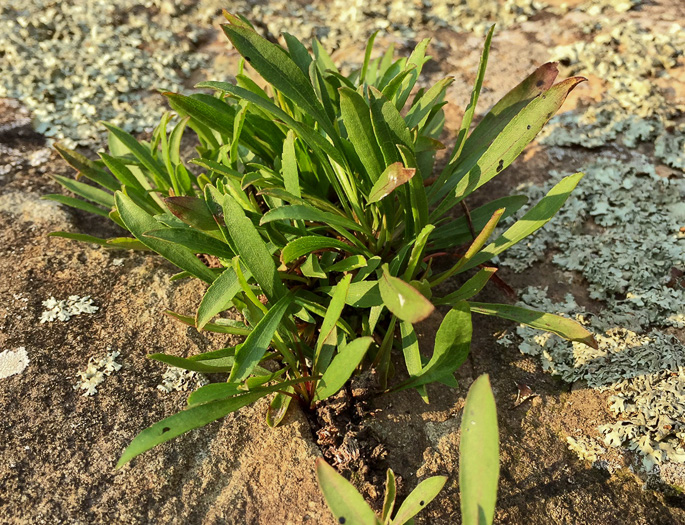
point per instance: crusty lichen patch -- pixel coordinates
(632, 61)
(96, 372)
(13, 362)
(179, 380)
(65, 309)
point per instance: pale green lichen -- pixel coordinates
(13, 362)
(65, 309)
(644, 372)
(629, 58)
(179, 380)
(96, 371)
(585, 448)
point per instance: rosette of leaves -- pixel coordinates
(316, 196)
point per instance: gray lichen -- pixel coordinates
(632, 61)
(96, 372)
(179, 380)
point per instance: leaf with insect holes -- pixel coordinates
(562, 326)
(193, 417)
(422, 495)
(403, 300)
(479, 455)
(346, 504)
(509, 106)
(392, 177)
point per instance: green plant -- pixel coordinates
(316, 200)
(478, 474)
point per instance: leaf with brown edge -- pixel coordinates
(394, 176)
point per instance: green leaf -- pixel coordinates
(342, 367)
(193, 211)
(257, 343)
(222, 326)
(471, 108)
(305, 212)
(419, 112)
(346, 504)
(470, 288)
(562, 326)
(392, 177)
(82, 237)
(412, 354)
(311, 268)
(278, 69)
(356, 116)
(509, 106)
(311, 243)
(421, 496)
(452, 343)
(457, 231)
(223, 364)
(190, 418)
(138, 222)
(533, 220)
(335, 308)
(214, 392)
(87, 191)
(76, 203)
(217, 298)
(278, 408)
(88, 168)
(353, 262)
(390, 493)
(479, 455)
(291, 179)
(417, 251)
(403, 300)
(252, 250)
(478, 169)
(194, 240)
(142, 153)
(389, 126)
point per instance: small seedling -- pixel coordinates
(314, 207)
(478, 474)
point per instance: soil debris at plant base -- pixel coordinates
(59, 447)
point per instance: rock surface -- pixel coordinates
(58, 447)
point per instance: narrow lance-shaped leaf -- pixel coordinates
(256, 344)
(471, 108)
(311, 243)
(394, 176)
(479, 455)
(138, 222)
(346, 504)
(412, 355)
(452, 343)
(252, 250)
(305, 212)
(356, 116)
(562, 326)
(508, 107)
(533, 220)
(422, 495)
(86, 191)
(470, 288)
(218, 297)
(87, 168)
(291, 179)
(475, 171)
(193, 417)
(277, 68)
(333, 312)
(194, 240)
(342, 367)
(403, 300)
(390, 494)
